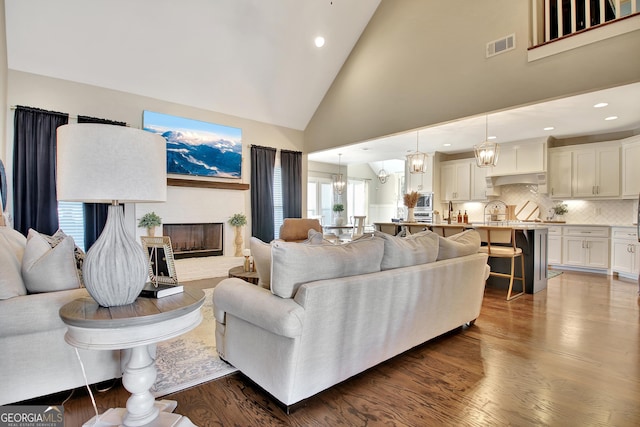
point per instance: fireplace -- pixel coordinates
(195, 240)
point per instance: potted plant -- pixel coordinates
(560, 209)
(237, 221)
(150, 221)
(338, 208)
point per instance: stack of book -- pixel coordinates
(160, 290)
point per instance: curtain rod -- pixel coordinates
(14, 107)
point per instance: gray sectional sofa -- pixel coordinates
(333, 311)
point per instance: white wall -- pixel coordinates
(420, 63)
(184, 204)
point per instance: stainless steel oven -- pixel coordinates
(423, 212)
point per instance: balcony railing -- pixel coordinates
(555, 19)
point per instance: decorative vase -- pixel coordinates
(238, 241)
(410, 216)
(338, 220)
(115, 268)
(151, 231)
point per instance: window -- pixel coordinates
(71, 221)
(357, 197)
(319, 199)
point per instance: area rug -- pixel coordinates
(190, 359)
(553, 273)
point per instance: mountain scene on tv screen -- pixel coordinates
(192, 156)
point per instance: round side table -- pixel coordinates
(137, 326)
(248, 276)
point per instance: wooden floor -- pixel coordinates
(566, 356)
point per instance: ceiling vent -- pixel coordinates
(502, 45)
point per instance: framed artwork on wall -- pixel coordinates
(196, 148)
(161, 263)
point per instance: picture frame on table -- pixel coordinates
(162, 268)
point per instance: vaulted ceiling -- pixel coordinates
(256, 59)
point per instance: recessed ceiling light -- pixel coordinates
(549, 128)
(447, 144)
(365, 148)
(319, 41)
(600, 105)
(492, 137)
(611, 118)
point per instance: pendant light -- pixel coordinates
(417, 161)
(487, 152)
(383, 175)
(338, 180)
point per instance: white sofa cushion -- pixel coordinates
(419, 248)
(293, 264)
(261, 253)
(12, 245)
(46, 268)
(461, 244)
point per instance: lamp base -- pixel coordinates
(115, 268)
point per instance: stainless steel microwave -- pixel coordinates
(425, 201)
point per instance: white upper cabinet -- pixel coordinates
(521, 157)
(596, 171)
(559, 173)
(585, 171)
(478, 182)
(631, 167)
(455, 180)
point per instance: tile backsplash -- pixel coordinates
(609, 212)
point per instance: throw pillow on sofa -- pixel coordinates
(419, 248)
(293, 264)
(261, 253)
(12, 245)
(49, 269)
(461, 244)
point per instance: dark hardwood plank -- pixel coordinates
(569, 355)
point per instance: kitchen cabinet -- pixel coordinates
(521, 157)
(478, 182)
(630, 167)
(585, 171)
(584, 246)
(596, 171)
(625, 251)
(554, 241)
(559, 173)
(455, 180)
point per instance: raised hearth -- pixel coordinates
(195, 240)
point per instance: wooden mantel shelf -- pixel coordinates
(178, 182)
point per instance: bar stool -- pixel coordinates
(501, 243)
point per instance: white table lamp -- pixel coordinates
(111, 164)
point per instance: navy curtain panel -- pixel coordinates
(34, 169)
(263, 160)
(95, 214)
(291, 167)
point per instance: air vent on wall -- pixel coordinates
(502, 45)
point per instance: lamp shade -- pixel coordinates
(101, 163)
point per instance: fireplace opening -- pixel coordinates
(195, 240)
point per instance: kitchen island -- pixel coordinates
(530, 237)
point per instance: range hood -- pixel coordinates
(536, 178)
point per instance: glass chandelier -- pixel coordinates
(417, 161)
(487, 152)
(383, 175)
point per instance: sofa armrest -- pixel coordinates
(256, 305)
